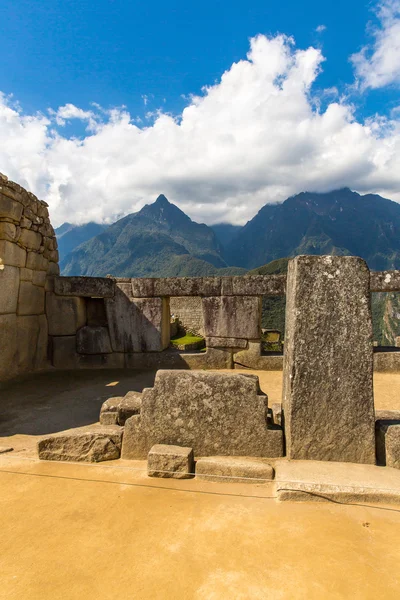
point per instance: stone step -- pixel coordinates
(234, 469)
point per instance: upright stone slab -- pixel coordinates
(327, 383)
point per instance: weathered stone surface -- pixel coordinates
(328, 395)
(254, 285)
(30, 239)
(9, 286)
(39, 278)
(232, 317)
(41, 355)
(387, 415)
(169, 461)
(277, 413)
(387, 362)
(234, 469)
(8, 231)
(30, 299)
(140, 325)
(26, 274)
(10, 209)
(388, 443)
(213, 413)
(175, 286)
(27, 333)
(93, 340)
(120, 408)
(96, 312)
(65, 314)
(8, 345)
(36, 261)
(92, 445)
(220, 342)
(64, 354)
(5, 449)
(213, 358)
(316, 481)
(99, 287)
(385, 281)
(11, 254)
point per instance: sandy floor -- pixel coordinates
(106, 531)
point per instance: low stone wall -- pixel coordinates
(28, 262)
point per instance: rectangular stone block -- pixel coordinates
(232, 317)
(30, 239)
(234, 469)
(220, 342)
(65, 314)
(168, 461)
(8, 346)
(30, 299)
(8, 231)
(36, 261)
(10, 209)
(175, 286)
(385, 281)
(388, 443)
(140, 325)
(91, 445)
(254, 285)
(28, 328)
(93, 340)
(39, 278)
(9, 286)
(26, 274)
(99, 287)
(213, 413)
(11, 254)
(327, 382)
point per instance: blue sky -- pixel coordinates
(149, 57)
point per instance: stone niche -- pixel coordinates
(28, 264)
(328, 404)
(213, 413)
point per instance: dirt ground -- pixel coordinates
(106, 531)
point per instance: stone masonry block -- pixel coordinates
(93, 340)
(9, 286)
(88, 445)
(11, 254)
(36, 261)
(232, 316)
(65, 314)
(8, 231)
(170, 462)
(327, 382)
(388, 443)
(213, 413)
(30, 239)
(64, 354)
(220, 342)
(8, 346)
(234, 469)
(99, 287)
(9, 208)
(30, 299)
(28, 329)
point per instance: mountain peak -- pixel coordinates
(162, 200)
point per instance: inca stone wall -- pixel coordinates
(28, 262)
(189, 310)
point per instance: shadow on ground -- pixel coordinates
(49, 402)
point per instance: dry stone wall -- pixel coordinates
(189, 311)
(28, 264)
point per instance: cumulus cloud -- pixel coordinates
(378, 65)
(320, 28)
(256, 136)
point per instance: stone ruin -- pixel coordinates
(327, 413)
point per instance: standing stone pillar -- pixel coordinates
(328, 366)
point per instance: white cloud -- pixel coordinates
(378, 65)
(255, 136)
(320, 28)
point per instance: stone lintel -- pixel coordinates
(98, 287)
(220, 342)
(252, 285)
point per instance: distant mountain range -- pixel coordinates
(161, 240)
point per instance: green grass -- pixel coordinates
(188, 338)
